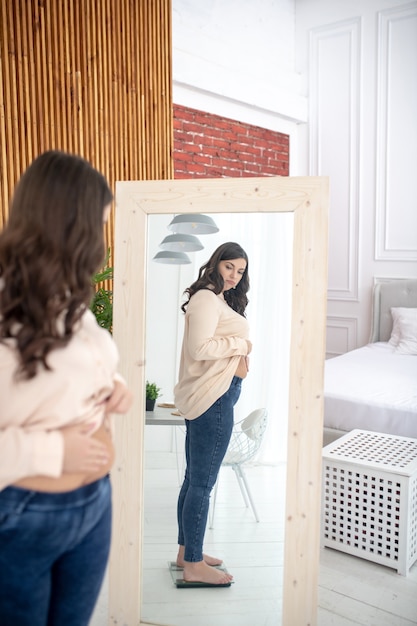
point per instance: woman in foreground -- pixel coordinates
(58, 387)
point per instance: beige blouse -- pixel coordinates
(214, 340)
(32, 411)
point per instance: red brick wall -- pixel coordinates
(210, 146)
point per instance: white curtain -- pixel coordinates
(267, 239)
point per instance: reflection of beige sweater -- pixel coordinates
(214, 340)
(32, 411)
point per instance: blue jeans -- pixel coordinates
(54, 549)
(206, 442)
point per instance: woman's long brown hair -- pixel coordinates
(50, 248)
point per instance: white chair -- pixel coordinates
(246, 439)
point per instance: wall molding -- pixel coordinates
(396, 106)
(342, 332)
(335, 118)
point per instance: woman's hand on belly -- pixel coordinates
(242, 368)
(83, 452)
(120, 400)
(102, 448)
(87, 457)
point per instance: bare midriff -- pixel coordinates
(69, 482)
(242, 368)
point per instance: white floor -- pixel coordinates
(351, 590)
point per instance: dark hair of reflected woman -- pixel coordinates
(209, 277)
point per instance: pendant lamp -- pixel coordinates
(172, 258)
(193, 223)
(181, 243)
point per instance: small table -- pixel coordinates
(369, 498)
(163, 416)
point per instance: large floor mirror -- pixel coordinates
(306, 199)
(250, 541)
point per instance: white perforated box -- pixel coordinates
(369, 498)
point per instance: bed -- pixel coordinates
(375, 387)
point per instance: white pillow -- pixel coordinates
(404, 330)
(396, 312)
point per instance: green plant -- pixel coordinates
(102, 302)
(152, 391)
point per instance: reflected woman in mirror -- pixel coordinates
(214, 360)
(58, 388)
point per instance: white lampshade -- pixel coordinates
(172, 258)
(181, 243)
(193, 223)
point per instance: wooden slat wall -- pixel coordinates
(92, 77)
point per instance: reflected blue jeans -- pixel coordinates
(54, 549)
(206, 442)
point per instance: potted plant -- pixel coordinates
(102, 302)
(152, 393)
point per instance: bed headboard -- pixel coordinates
(401, 292)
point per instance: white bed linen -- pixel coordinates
(372, 388)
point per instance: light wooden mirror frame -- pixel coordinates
(307, 199)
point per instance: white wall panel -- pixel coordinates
(334, 144)
(396, 181)
(341, 334)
